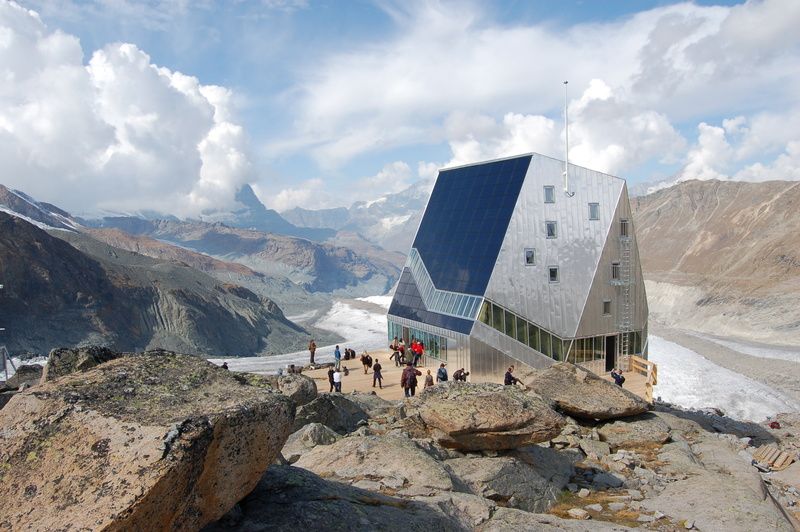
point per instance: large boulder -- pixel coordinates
(475, 417)
(391, 463)
(508, 481)
(138, 443)
(306, 439)
(633, 431)
(290, 498)
(64, 361)
(582, 394)
(25, 376)
(332, 410)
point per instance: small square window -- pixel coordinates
(551, 228)
(549, 194)
(530, 257)
(594, 211)
(623, 228)
(553, 272)
(607, 307)
(615, 271)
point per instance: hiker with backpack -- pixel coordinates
(408, 380)
(441, 373)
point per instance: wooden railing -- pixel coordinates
(647, 369)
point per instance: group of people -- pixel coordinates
(402, 355)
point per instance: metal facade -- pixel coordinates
(577, 233)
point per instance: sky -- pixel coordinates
(173, 105)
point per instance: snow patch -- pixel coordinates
(394, 221)
(382, 301)
(42, 361)
(688, 379)
(37, 223)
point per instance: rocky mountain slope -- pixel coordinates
(314, 266)
(723, 257)
(61, 294)
(390, 221)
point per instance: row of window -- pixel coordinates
(435, 345)
(579, 350)
(443, 302)
(522, 330)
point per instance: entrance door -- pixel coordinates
(406, 336)
(611, 352)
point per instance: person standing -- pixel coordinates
(330, 379)
(441, 373)
(337, 380)
(312, 348)
(428, 380)
(409, 379)
(364, 362)
(376, 374)
(337, 358)
(509, 378)
(402, 348)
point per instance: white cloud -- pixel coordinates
(451, 73)
(308, 196)
(393, 177)
(119, 133)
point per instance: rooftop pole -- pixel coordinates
(566, 145)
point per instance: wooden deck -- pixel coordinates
(358, 381)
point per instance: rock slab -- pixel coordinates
(64, 361)
(633, 431)
(582, 394)
(152, 442)
(478, 417)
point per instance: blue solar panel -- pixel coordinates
(465, 223)
(407, 303)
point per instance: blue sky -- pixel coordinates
(322, 103)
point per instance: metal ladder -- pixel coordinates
(626, 302)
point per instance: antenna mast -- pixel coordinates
(566, 145)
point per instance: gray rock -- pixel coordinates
(335, 411)
(633, 431)
(290, 498)
(64, 361)
(724, 494)
(583, 493)
(478, 417)
(617, 506)
(306, 439)
(299, 388)
(606, 480)
(508, 481)
(582, 394)
(643, 518)
(598, 449)
(394, 461)
(594, 507)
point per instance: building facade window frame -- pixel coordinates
(529, 257)
(594, 211)
(553, 274)
(549, 194)
(606, 307)
(551, 229)
(615, 270)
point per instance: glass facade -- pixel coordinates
(460, 305)
(465, 222)
(407, 303)
(435, 345)
(578, 351)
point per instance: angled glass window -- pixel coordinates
(533, 336)
(522, 330)
(594, 211)
(486, 313)
(497, 318)
(623, 228)
(607, 307)
(551, 229)
(553, 273)
(530, 257)
(549, 194)
(558, 349)
(545, 343)
(511, 325)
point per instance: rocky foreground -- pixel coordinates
(160, 441)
